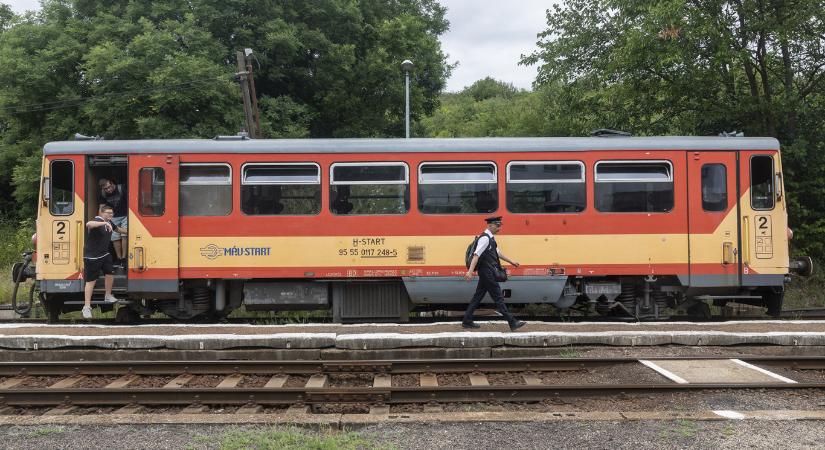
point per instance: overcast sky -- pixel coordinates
(486, 38)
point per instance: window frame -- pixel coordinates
(198, 183)
(542, 163)
(670, 180)
(772, 179)
(702, 187)
(139, 208)
(406, 183)
(495, 183)
(633, 161)
(190, 183)
(582, 180)
(51, 186)
(332, 167)
(458, 163)
(308, 163)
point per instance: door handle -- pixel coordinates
(746, 240)
(140, 259)
(728, 253)
(79, 243)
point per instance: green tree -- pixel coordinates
(700, 67)
(128, 69)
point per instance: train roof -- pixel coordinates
(437, 145)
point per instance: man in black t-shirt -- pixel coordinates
(96, 256)
(114, 195)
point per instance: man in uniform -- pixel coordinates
(486, 258)
(114, 195)
(96, 257)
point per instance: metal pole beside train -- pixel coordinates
(407, 65)
(247, 104)
(254, 96)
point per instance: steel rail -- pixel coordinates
(319, 396)
(377, 366)
(46, 368)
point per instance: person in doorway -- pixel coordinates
(114, 195)
(96, 257)
(486, 258)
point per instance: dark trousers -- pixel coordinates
(487, 284)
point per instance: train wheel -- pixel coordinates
(52, 311)
(773, 301)
(126, 316)
(700, 310)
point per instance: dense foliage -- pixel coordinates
(689, 67)
(330, 68)
(165, 69)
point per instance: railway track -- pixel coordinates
(373, 384)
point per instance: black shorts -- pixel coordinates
(93, 267)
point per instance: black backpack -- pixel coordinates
(468, 256)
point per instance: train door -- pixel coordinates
(153, 224)
(764, 221)
(60, 229)
(714, 240)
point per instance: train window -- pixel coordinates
(61, 188)
(545, 187)
(205, 189)
(762, 182)
(369, 188)
(714, 187)
(291, 189)
(151, 191)
(457, 188)
(634, 186)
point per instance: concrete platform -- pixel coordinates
(714, 371)
(366, 338)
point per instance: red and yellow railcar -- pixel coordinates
(373, 228)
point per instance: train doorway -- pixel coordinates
(714, 240)
(154, 226)
(112, 170)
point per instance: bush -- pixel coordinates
(16, 239)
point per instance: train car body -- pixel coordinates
(374, 228)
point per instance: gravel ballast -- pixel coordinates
(528, 435)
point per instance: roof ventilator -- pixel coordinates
(241, 136)
(733, 133)
(82, 137)
(607, 132)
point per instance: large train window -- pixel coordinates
(714, 187)
(762, 182)
(457, 188)
(545, 187)
(151, 191)
(61, 188)
(369, 188)
(634, 186)
(290, 189)
(205, 189)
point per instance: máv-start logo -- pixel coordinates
(212, 251)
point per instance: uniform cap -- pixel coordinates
(496, 219)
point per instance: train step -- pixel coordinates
(97, 302)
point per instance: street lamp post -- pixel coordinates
(407, 66)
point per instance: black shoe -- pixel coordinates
(517, 325)
(470, 325)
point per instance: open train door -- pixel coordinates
(714, 239)
(153, 225)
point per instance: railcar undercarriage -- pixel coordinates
(382, 300)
